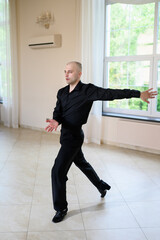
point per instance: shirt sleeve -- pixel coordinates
(57, 110)
(95, 93)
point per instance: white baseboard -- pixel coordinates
(137, 148)
(92, 140)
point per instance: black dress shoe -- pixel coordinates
(59, 216)
(103, 193)
(103, 188)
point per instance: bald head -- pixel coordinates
(78, 65)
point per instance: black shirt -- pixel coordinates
(72, 108)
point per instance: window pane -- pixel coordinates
(130, 29)
(158, 88)
(132, 75)
(158, 46)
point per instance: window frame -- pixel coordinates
(153, 58)
(5, 21)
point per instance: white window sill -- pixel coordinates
(133, 117)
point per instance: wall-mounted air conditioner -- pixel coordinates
(45, 41)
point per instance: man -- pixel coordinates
(72, 109)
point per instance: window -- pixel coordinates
(4, 49)
(132, 55)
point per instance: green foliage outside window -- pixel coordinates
(130, 26)
(130, 32)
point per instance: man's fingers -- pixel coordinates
(152, 94)
(50, 129)
(146, 101)
(47, 127)
(150, 89)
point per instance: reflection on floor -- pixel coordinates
(130, 211)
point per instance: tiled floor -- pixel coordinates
(130, 211)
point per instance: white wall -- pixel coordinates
(134, 134)
(41, 70)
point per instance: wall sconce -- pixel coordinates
(45, 19)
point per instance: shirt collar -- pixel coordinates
(77, 87)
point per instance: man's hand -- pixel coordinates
(53, 124)
(148, 94)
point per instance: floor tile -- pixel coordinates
(17, 177)
(147, 214)
(107, 215)
(154, 175)
(43, 177)
(43, 194)
(89, 194)
(80, 177)
(116, 234)
(41, 219)
(59, 235)
(16, 194)
(139, 191)
(147, 160)
(152, 233)
(13, 236)
(14, 218)
(131, 175)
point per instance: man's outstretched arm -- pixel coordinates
(95, 93)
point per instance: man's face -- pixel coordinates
(72, 73)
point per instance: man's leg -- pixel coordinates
(88, 170)
(60, 169)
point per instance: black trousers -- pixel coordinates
(69, 152)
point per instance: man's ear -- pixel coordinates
(80, 74)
